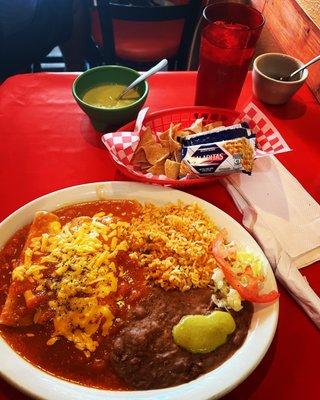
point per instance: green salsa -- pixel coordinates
(105, 96)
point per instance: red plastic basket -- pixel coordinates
(160, 121)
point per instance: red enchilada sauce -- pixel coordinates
(31, 341)
(139, 345)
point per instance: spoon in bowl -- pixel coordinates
(288, 78)
(162, 64)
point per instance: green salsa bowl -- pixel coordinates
(109, 118)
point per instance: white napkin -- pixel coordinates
(285, 220)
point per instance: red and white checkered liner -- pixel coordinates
(122, 144)
(268, 138)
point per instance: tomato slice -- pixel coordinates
(249, 291)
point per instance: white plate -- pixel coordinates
(212, 385)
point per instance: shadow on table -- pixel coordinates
(294, 109)
(9, 392)
(89, 134)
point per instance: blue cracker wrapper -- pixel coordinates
(218, 134)
(220, 151)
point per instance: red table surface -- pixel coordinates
(47, 143)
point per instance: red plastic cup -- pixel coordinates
(227, 46)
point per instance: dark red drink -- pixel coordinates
(227, 47)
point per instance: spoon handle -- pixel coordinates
(163, 63)
(315, 59)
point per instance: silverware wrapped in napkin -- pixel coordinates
(285, 220)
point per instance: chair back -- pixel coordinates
(122, 10)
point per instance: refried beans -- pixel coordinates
(144, 354)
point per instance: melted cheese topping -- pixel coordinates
(83, 254)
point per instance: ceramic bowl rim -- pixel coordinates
(288, 83)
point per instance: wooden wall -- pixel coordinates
(294, 32)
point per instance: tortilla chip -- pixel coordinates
(146, 137)
(155, 153)
(174, 145)
(157, 169)
(212, 125)
(171, 169)
(196, 127)
(166, 145)
(183, 132)
(177, 155)
(184, 169)
(175, 130)
(164, 136)
(139, 157)
(144, 166)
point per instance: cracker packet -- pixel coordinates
(219, 151)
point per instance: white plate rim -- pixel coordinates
(214, 384)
